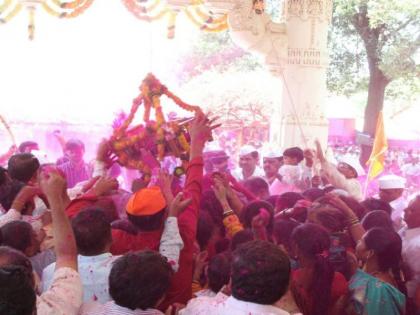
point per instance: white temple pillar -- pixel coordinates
(304, 75)
(296, 51)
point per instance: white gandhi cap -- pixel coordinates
(247, 149)
(391, 182)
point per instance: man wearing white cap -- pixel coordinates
(391, 188)
(248, 164)
(344, 175)
(272, 161)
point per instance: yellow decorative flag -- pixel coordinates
(380, 145)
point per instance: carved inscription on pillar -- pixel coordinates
(305, 57)
(304, 9)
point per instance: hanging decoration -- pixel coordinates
(56, 8)
(157, 137)
(152, 10)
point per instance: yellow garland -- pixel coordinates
(12, 13)
(5, 5)
(209, 19)
(204, 26)
(9, 130)
(31, 25)
(172, 24)
(50, 10)
(79, 10)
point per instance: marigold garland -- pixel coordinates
(158, 136)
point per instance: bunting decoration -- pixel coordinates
(57, 8)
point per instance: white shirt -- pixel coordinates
(65, 295)
(239, 175)
(338, 180)
(399, 206)
(411, 256)
(94, 272)
(111, 308)
(223, 305)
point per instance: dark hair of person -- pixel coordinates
(294, 153)
(288, 200)
(256, 184)
(272, 200)
(147, 222)
(8, 193)
(22, 166)
(17, 294)
(252, 209)
(358, 209)
(92, 231)
(17, 234)
(376, 204)
(282, 232)
(222, 245)
(330, 217)
(377, 218)
(11, 256)
(72, 144)
(107, 205)
(313, 194)
(3, 176)
(260, 272)
(387, 246)
(241, 237)
(139, 280)
(211, 204)
(218, 272)
(313, 242)
(22, 147)
(329, 189)
(205, 229)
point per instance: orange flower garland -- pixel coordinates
(159, 137)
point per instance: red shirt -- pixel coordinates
(123, 242)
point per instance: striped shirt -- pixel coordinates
(75, 173)
(111, 308)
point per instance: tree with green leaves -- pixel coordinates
(373, 45)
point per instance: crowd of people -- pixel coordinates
(282, 232)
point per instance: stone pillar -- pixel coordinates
(295, 50)
(304, 75)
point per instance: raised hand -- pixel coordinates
(178, 205)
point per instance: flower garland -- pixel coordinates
(206, 22)
(159, 137)
(8, 129)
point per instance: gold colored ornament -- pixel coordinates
(158, 137)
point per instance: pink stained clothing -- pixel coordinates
(111, 308)
(338, 180)
(65, 295)
(123, 241)
(225, 305)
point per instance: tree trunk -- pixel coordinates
(376, 93)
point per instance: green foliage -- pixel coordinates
(393, 34)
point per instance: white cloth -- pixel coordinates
(223, 305)
(411, 256)
(338, 180)
(94, 272)
(171, 242)
(399, 206)
(9, 216)
(239, 175)
(111, 308)
(65, 295)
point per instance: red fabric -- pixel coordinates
(180, 290)
(303, 298)
(78, 204)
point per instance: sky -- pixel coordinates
(85, 68)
